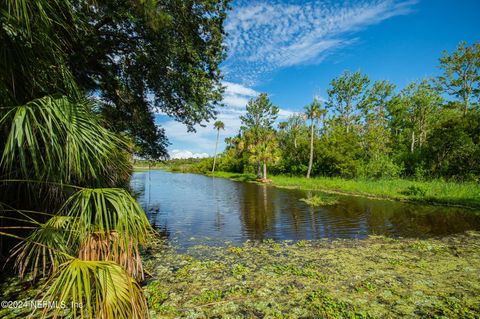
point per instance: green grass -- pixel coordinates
(320, 200)
(434, 191)
(235, 176)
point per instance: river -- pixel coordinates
(189, 208)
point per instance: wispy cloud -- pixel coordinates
(236, 97)
(265, 36)
(177, 154)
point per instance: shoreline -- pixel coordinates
(314, 185)
(318, 184)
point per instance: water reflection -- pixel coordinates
(187, 206)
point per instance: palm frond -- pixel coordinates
(95, 289)
(45, 249)
(48, 12)
(36, 36)
(111, 226)
(55, 139)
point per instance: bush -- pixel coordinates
(414, 190)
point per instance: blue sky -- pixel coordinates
(292, 49)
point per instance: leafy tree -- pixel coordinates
(218, 125)
(257, 123)
(140, 57)
(340, 154)
(293, 128)
(422, 102)
(461, 73)
(376, 138)
(345, 95)
(291, 141)
(453, 147)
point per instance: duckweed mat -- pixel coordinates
(374, 278)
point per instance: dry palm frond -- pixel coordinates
(45, 249)
(111, 225)
(109, 247)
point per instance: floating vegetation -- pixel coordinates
(378, 277)
(320, 200)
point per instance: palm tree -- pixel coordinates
(218, 125)
(265, 152)
(313, 113)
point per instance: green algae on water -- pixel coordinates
(378, 277)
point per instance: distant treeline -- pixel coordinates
(429, 129)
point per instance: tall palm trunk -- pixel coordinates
(310, 162)
(215, 157)
(412, 145)
(259, 169)
(264, 170)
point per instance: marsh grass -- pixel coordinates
(438, 191)
(433, 191)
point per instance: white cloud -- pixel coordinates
(203, 140)
(238, 89)
(265, 36)
(237, 95)
(181, 154)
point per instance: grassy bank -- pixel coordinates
(435, 191)
(373, 278)
(174, 165)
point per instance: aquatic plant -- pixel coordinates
(320, 200)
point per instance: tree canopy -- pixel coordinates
(137, 58)
(372, 129)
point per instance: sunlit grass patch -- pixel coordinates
(320, 200)
(434, 191)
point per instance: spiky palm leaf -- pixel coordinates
(45, 249)
(35, 36)
(55, 139)
(103, 290)
(111, 226)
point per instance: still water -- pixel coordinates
(191, 207)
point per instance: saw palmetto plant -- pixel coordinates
(90, 252)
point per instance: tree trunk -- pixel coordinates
(215, 157)
(466, 102)
(413, 142)
(264, 170)
(310, 162)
